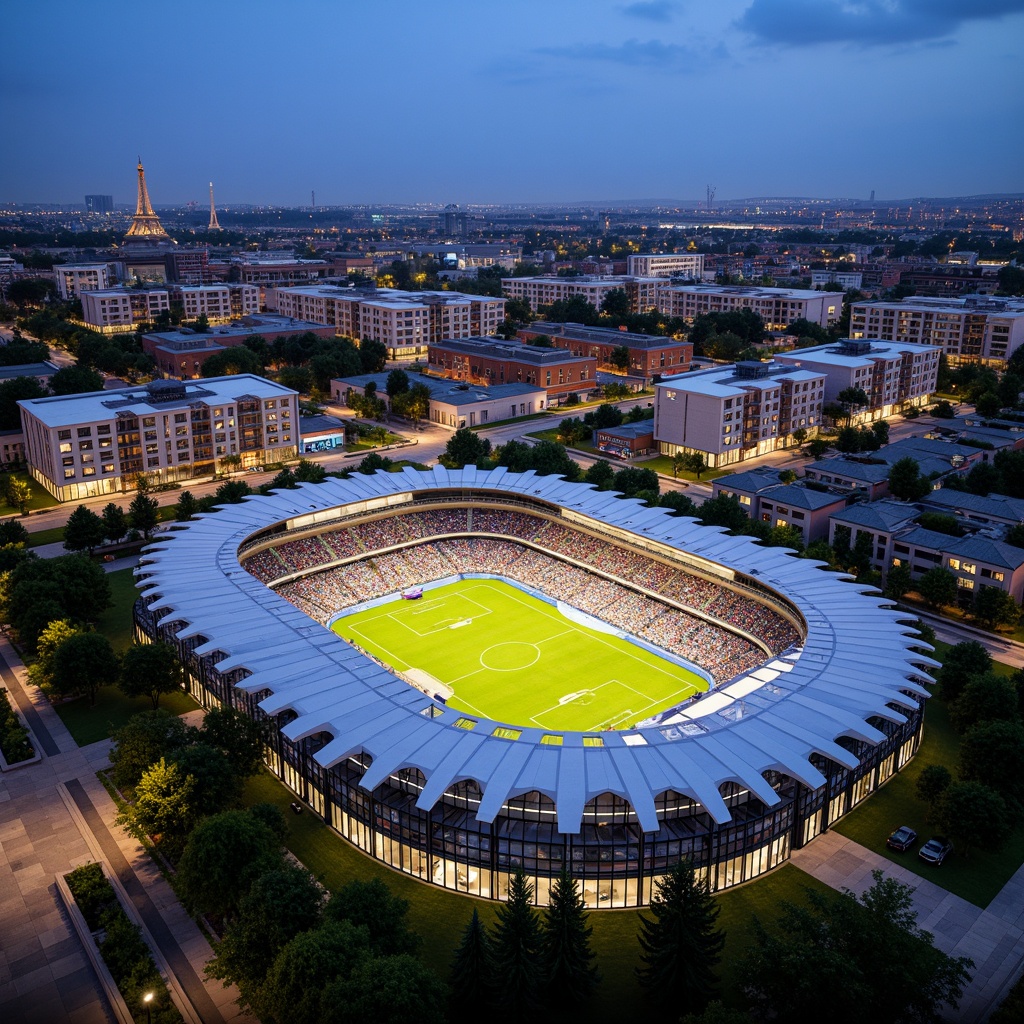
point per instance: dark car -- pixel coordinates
(936, 850)
(902, 839)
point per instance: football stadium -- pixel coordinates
(470, 672)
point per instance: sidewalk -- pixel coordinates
(993, 938)
(44, 974)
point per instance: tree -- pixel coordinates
(680, 504)
(12, 532)
(606, 415)
(992, 753)
(237, 359)
(373, 355)
(373, 906)
(296, 378)
(600, 474)
(388, 990)
(807, 330)
(971, 814)
(186, 507)
(279, 905)
(800, 435)
(634, 481)
(224, 855)
(615, 304)
(217, 785)
(230, 493)
(40, 672)
(868, 954)
(963, 661)
(898, 581)
(933, 781)
(905, 480)
(817, 447)
(115, 522)
(163, 807)
(83, 663)
(570, 975)
(516, 945)
(239, 737)
(572, 430)
(143, 514)
(988, 405)
(298, 982)
(995, 607)
(142, 741)
(15, 390)
(397, 383)
(695, 463)
(465, 448)
(852, 398)
(471, 979)
(725, 510)
(84, 530)
(308, 472)
(373, 462)
(938, 587)
(619, 358)
(149, 670)
(75, 380)
(680, 943)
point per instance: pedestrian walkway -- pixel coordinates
(45, 976)
(993, 938)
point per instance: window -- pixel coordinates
(63, 435)
(66, 447)
(85, 431)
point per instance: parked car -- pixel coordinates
(902, 839)
(936, 850)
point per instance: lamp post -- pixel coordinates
(147, 999)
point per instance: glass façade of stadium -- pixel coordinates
(735, 779)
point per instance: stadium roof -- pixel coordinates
(856, 665)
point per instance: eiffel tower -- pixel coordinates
(214, 226)
(146, 226)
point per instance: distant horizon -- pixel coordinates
(409, 103)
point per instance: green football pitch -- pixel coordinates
(511, 657)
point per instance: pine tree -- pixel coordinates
(472, 973)
(516, 946)
(566, 957)
(680, 944)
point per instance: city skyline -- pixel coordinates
(526, 103)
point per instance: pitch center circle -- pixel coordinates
(510, 657)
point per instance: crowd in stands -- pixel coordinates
(388, 554)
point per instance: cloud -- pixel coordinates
(634, 53)
(652, 10)
(866, 22)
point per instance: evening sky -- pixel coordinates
(480, 101)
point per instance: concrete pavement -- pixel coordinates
(54, 816)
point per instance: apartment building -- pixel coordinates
(485, 361)
(114, 310)
(74, 278)
(219, 303)
(764, 497)
(981, 559)
(405, 322)
(81, 446)
(968, 330)
(736, 412)
(649, 355)
(892, 375)
(777, 307)
(642, 292)
(666, 264)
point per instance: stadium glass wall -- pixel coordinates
(614, 858)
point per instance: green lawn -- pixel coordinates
(112, 709)
(663, 465)
(116, 622)
(38, 538)
(511, 657)
(439, 916)
(39, 497)
(976, 875)
(552, 435)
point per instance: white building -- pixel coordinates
(972, 329)
(891, 375)
(642, 292)
(80, 446)
(736, 412)
(118, 309)
(666, 264)
(405, 322)
(74, 278)
(777, 307)
(843, 278)
(219, 303)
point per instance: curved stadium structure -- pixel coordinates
(815, 694)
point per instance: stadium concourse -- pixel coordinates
(817, 688)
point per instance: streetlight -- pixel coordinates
(146, 1000)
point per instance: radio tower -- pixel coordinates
(214, 226)
(711, 196)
